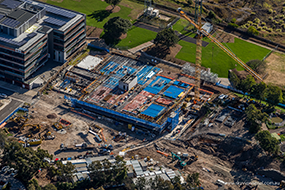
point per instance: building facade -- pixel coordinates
(32, 33)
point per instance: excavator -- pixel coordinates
(175, 156)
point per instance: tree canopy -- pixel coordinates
(247, 84)
(258, 91)
(113, 2)
(273, 94)
(234, 79)
(267, 142)
(166, 38)
(114, 28)
(25, 160)
(255, 118)
(252, 30)
(257, 65)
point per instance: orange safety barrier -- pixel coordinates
(103, 136)
(165, 76)
(163, 153)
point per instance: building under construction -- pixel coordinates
(132, 92)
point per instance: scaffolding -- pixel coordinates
(205, 75)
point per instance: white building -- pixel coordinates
(128, 82)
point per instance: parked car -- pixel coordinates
(2, 95)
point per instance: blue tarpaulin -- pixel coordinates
(153, 110)
(173, 92)
(157, 85)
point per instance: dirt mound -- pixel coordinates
(112, 9)
(52, 116)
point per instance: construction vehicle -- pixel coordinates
(57, 125)
(193, 159)
(77, 146)
(201, 32)
(49, 136)
(34, 142)
(36, 128)
(282, 184)
(174, 157)
(96, 136)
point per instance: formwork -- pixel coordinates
(153, 110)
(137, 102)
(164, 101)
(172, 121)
(173, 92)
(146, 73)
(157, 85)
(98, 94)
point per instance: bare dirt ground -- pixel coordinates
(275, 69)
(123, 36)
(77, 133)
(113, 9)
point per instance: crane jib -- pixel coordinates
(227, 51)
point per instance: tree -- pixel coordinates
(252, 30)
(259, 91)
(49, 187)
(255, 117)
(166, 38)
(114, 28)
(140, 183)
(65, 171)
(274, 95)
(267, 142)
(113, 2)
(234, 79)
(247, 84)
(257, 65)
(193, 181)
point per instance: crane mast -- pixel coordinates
(198, 12)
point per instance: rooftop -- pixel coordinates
(23, 22)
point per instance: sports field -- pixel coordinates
(135, 37)
(96, 15)
(219, 62)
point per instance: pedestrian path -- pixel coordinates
(140, 47)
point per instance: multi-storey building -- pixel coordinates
(31, 33)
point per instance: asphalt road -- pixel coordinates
(8, 109)
(16, 95)
(181, 36)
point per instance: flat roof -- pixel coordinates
(89, 62)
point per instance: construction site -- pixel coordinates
(134, 92)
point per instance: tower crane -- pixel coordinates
(201, 32)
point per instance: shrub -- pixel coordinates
(270, 18)
(264, 27)
(259, 28)
(269, 29)
(252, 30)
(250, 22)
(234, 25)
(281, 21)
(270, 10)
(257, 20)
(263, 24)
(283, 10)
(274, 12)
(278, 30)
(252, 13)
(233, 20)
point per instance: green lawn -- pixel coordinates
(94, 10)
(135, 37)
(219, 62)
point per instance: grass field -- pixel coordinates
(94, 10)
(219, 62)
(135, 37)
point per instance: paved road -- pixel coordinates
(8, 109)
(181, 36)
(15, 95)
